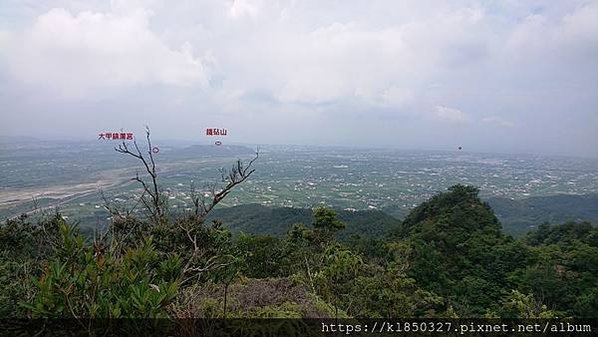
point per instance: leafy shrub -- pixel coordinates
(84, 281)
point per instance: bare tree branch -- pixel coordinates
(156, 205)
(200, 259)
(235, 176)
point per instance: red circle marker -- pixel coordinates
(155, 150)
(218, 143)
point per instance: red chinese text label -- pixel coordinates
(216, 132)
(116, 135)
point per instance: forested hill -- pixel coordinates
(453, 214)
(459, 251)
(517, 217)
(448, 258)
(258, 219)
(520, 216)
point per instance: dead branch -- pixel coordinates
(155, 205)
(198, 261)
(204, 204)
(235, 176)
(110, 207)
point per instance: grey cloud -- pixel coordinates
(421, 68)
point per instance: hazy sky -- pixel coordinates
(503, 75)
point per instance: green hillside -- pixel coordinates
(449, 258)
(520, 216)
(258, 219)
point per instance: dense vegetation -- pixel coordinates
(448, 258)
(518, 216)
(258, 219)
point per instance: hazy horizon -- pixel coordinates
(491, 76)
(261, 146)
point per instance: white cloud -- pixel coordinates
(278, 62)
(573, 33)
(527, 34)
(582, 23)
(74, 53)
(244, 8)
(395, 96)
(4, 40)
(335, 62)
(391, 97)
(451, 115)
(498, 121)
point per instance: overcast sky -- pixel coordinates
(492, 76)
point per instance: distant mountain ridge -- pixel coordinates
(212, 150)
(258, 219)
(520, 216)
(516, 216)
